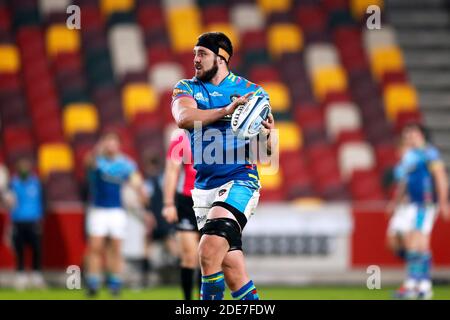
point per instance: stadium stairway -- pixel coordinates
(423, 31)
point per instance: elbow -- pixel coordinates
(183, 122)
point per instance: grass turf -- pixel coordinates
(266, 293)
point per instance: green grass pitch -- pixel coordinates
(266, 293)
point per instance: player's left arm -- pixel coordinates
(268, 131)
(136, 181)
(441, 180)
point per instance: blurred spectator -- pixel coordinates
(25, 200)
(164, 231)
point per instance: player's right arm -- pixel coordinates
(185, 110)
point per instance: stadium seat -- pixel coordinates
(216, 14)
(353, 156)
(284, 37)
(228, 30)
(365, 185)
(184, 26)
(341, 116)
(269, 178)
(386, 59)
(279, 96)
(269, 6)
(247, 17)
(109, 7)
(9, 59)
(319, 56)
(46, 7)
(163, 76)
(328, 79)
(61, 187)
(379, 38)
(290, 136)
(79, 118)
(359, 7)
(61, 39)
(128, 53)
(54, 157)
(138, 97)
(398, 98)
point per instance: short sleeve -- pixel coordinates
(130, 168)
(433, 154)
(261, 92)
(407, 163)
(182, 89)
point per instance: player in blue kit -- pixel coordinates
(108, 171)
(422, 174)
(226, 191)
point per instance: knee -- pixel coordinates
(206, 253)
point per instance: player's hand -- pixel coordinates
(268, 125)
(170, 213)
(237, 102)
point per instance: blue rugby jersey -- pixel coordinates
(29, 202)
(106, 179)
(415, 170)
(212, 174)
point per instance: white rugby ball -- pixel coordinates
(246, 119)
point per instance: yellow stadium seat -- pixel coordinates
(328, 79)
(108, 7)
(270, 179)
(399, 97)
(386, 59)
(138, 97)
(60, 39)
(269, 6)
(184, 27)
(359, 7)
(289, 135)
(280, 99)
(9, 59)
(54, 157)
(308, 202)
(227, 29)
(80, 117)
(284, 37)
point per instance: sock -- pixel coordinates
(213, 286)
(247, 292)
(114, 282)
(93, 282)
(145, 268)
(414, 269)
(187, 279)
(425, 281)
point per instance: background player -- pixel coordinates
(179, 176)
(426, 184)
(108, 169)
(225, 194)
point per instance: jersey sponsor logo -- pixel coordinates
(178, 91)
(216, 94)
(199, 96)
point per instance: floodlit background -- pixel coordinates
(340, 93)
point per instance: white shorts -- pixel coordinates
(102, 222)
(409, 217)
(240, 195)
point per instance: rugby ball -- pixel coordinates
(246, 119)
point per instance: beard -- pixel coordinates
(209, 74)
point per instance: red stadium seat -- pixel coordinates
(311, 18)
(91, 18)
(150, 17)
(215, 14)
(264, 73)
(366, 185)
